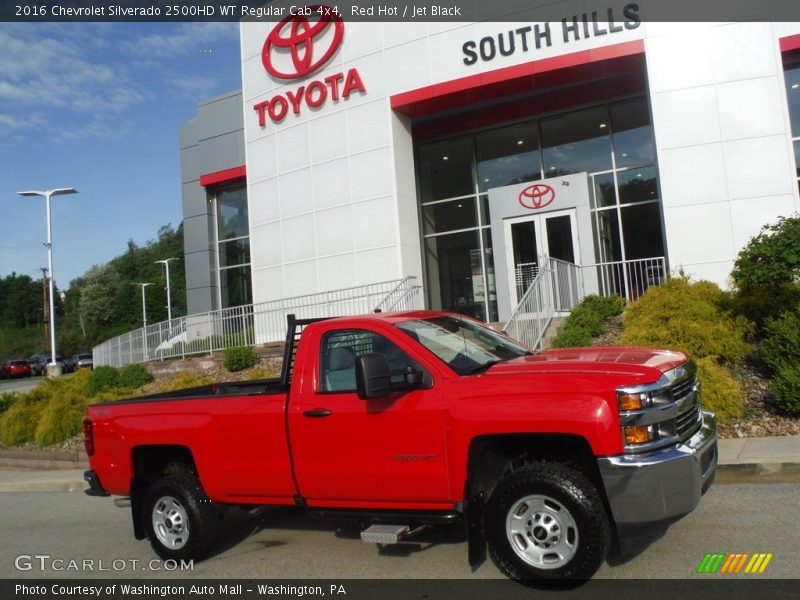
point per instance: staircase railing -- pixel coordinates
(557, 287)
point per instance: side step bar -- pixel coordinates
(384, 534)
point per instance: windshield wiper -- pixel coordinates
(484, 367)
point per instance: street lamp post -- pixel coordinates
(165, 262)
(144, 321)
(144, 304)
(53, 369)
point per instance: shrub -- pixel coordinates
(758, 304)
(61, 418)
(239, 358)
(260, 373)
(101, 379)
(786, 387)
(687, 316)
(183, 380)
(18, 423)
(134, 376)
(112, 394)
(772, 258)
(722, 392)
(780, 351)
(781, 340)
(588, 320)
(6, 400)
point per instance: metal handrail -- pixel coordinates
(248, 325)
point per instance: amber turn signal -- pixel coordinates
(636, 435)
(632, 401)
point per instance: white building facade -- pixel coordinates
(462, 153)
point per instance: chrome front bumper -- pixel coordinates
(663, 484)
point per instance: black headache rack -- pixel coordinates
(294, 327)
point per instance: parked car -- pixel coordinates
(39, 361)
(15, 368)
(83, 360)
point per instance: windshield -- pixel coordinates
(466, 346)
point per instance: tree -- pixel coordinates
(98, 293)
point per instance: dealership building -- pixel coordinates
(464, 154)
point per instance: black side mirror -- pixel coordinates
(412, 378)
(373, 378)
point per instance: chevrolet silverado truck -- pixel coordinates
(400, 421)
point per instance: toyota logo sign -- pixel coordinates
(292, 49)
(536, 196)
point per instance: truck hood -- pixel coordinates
(643, 364)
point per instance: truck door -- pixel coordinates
(349, 451)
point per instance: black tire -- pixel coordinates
(547, 522)
(179, 519)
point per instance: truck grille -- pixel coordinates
(689, 419)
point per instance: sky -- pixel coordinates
(98, 107)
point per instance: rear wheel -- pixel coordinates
(547, 522)
(180, 521)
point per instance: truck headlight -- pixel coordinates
(636, 401)
(638, 435)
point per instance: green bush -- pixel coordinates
(758, 304)
(780, 343)
(61, 418)
(101, 379)
(721, 391)
(780, 351)
(134, 376)
(183, 380)
(786, 387)
(772, 258)
(587, 320)
(572, 338)
(687, 316)
(239, 358)
(18, 423)
(6, 400)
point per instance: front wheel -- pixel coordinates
(547, 522)
(180, 520)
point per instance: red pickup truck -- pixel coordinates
(404, 420)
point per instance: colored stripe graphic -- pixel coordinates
(731, 564)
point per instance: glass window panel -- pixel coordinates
(445, 169)
(797, 156)
(485, 214)
(792, 77)
(449, 216)
(508, 155)
(455, 279)
(604, 190)
(606, 236)
(235, 286)
(525, 249)
(559, 238)
(488, 257)
(637, 185)
(236, 252)
(641, 230)
(633, 133)
(576, 142)
(232, 213)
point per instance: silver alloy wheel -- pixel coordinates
(542, 532)
(170, 523)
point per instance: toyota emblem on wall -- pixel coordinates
(536, 196)
(294, 43)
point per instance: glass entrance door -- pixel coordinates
(532, 238)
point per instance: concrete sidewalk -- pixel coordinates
(740, 460)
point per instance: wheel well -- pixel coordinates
(153, 462)
(494, 456)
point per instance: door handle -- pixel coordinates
(318, 413)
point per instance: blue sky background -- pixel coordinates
(98, 107)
